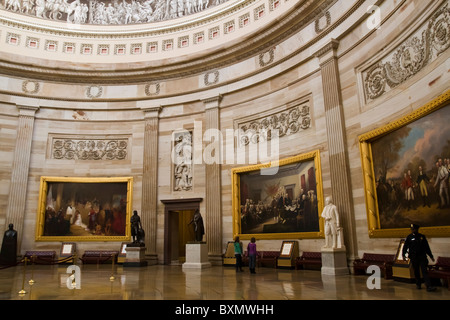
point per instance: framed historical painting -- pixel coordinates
(84, 209)
(406, 166)
(282, 202)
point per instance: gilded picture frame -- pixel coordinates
(393, 157)
(73, 209)
(279, 200)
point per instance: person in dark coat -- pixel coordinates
(417, 247)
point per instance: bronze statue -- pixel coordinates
(8, 254)
(137, 232)
(199, 229)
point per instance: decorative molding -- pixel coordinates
(30, 87)
(92, 148)
(267, 57)
(317, 23)
(152, 89)
(121, 13)
(211, 77)
(419, 50)
(94, 92)
(288, 121)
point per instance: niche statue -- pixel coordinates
(137, 232)
(199, 229)
(8, 254)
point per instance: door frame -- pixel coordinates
(171, 205)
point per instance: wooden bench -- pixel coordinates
(268, 258)
(384, 261)
(99, 256)
(441, 270)
(309, 259)
(40, 256)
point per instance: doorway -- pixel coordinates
(178, 213)
(181, 233)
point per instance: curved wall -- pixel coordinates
(319, 54)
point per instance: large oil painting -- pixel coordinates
(84, 209)
(409, 175)
(282, 205)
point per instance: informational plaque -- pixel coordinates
(68, 250)
(288, 254)
(229, 258)
(402, 269)
(122, 253)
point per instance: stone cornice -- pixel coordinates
(304, 13)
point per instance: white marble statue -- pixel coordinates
(332, 229)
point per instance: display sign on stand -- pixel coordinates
(288, 254)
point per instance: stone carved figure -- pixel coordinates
(199, 228)
(332, 229)
(8, 254)
(183, 162)
(109, 12)
(137, 232)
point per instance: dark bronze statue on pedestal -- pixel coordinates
(199, 229)
(8, 255)
(137, 232)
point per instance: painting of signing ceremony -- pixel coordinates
(285, 202)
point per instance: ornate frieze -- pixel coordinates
(110, 12)
(95, 148)
(410, 57)
(283, 123)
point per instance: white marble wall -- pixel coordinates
(247, 89)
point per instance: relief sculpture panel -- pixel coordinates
(93, 148)
(419, 50)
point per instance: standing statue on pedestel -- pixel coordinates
(8, 254)
(332, 230)
(137, 232)
(199, 229)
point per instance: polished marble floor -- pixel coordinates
(160, 282)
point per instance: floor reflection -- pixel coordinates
(104, 282)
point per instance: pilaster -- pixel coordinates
(150, 182)
(15, 211)
(213, 216)
(337, 146)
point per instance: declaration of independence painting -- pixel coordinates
(411, 166)
(84, 209)
(278, 205)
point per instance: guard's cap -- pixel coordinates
(415, 226)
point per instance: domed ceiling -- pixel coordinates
(132, 41)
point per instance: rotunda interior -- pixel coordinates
(252, 112)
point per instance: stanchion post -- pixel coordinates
(33, 259)
(112, 270)
(24, 274)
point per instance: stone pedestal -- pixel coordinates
(334, 262)
(196, 256)
(135, 257)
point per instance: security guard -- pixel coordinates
(417, 247)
